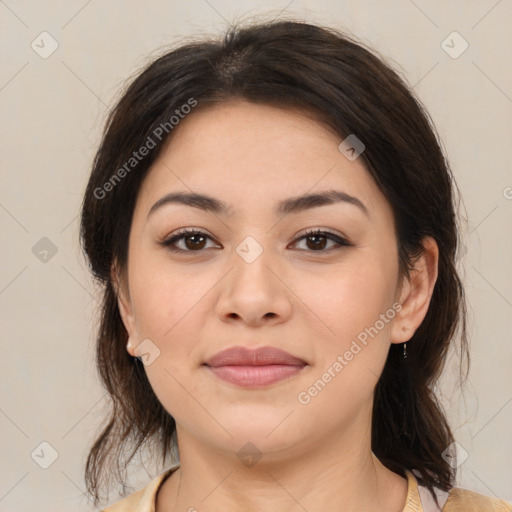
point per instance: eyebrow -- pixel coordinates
(284, 207)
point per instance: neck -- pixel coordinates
(336, 475)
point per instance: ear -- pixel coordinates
(416, 292)
(120, 284)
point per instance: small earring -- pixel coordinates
(128, 346)
(405, 350)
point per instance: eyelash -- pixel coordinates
(188, 232)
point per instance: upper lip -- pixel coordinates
(242, 356)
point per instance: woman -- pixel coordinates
(272, 218)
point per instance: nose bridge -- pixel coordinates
(252, 291)
(252, 261)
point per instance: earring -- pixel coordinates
(405, 350)
(128, 346)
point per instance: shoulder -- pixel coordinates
(419, 499)
(464, 500)
(143, 500)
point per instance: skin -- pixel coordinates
(315, 456)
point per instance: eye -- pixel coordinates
(194, 240)
(317, 239)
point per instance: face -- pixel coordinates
(250, 275)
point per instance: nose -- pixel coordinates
(254, 293)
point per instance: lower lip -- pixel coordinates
(255, 376)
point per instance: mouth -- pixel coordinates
(254, 368)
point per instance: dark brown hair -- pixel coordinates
(297, 65)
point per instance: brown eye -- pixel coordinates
(317, 240)
(193, 241)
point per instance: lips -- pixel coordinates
(265, 356)
(254, 368)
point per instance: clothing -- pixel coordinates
(418, 499)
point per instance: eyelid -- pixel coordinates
(336, 237)
(321, 231)
(180, 234)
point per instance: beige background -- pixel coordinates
(52, 111)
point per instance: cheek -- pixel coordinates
(171, 304)
(162, 293)
(168, 306)
(349, 299)
(351, 353)
(355, 303)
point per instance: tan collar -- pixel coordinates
(419, 498)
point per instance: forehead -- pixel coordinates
(250, 154)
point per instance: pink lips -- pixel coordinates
(254, 368)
